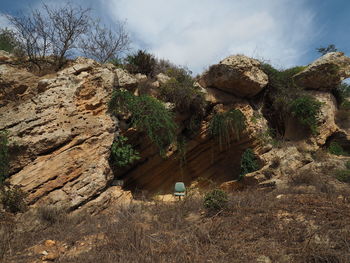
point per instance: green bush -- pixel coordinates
(141, 62)
(13, 198)
(306, 109)
(122, 153)
(280, 92)
(8, 41)
(216, 200)
(249, 163)
(180, 91)
(336, 149)
(223, 125)
(148, 115)
(343, 175)
(4, 155)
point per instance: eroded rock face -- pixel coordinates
(204, 159)
(326, 124)
(16, 84)
(61, 138)
(325, 73)
(237, 75)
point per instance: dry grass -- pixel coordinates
(286, 227)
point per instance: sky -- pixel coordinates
(199, 33)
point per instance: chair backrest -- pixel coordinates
(180, 187)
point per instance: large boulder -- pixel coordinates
(238, 75)
(61, 138)
(325, 73)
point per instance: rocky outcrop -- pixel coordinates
(325, 73)
(326, 121)
(61, 137)
(237, 75)
(17, 84)
(204, 157)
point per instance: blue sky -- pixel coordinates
(198, 33)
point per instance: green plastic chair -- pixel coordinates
(180, 189)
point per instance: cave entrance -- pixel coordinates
(205, 163)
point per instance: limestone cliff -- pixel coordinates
(61, 133)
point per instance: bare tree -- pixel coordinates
(62, 30)
(103, 44)
(68, 23)
(26, 30)
(51, 31)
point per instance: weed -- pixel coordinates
(306, 109)
(223, 125)
(122, 153)
(216, 200)
(249, 163)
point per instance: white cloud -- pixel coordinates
(4, 23)
(198, 33)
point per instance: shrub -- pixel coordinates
(336, 149)
(4, 156)
(343, 175)
(141, 62)
(180, 91)
(280, 92)
(8, 41)
(147, 114)
(123, 153)
(223, 125)
(306, 109)
(249, 163)
(13, 198)
(215, 200)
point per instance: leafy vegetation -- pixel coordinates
(336, 149)
(216, 200)
(180, 90)
(8, 41)
(280, 93)
(4, 155)
(249, 163)
(148, 115)
(13, 198)
(343, 175)
(122, 153)
(141, 62)
(306, 109)
(224, 125)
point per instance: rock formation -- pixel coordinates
(237, 75)
(325, 73)
(61, 133)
